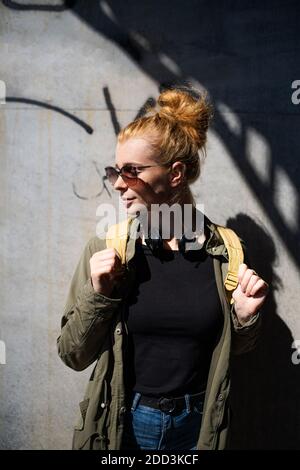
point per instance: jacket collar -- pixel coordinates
(215, 245)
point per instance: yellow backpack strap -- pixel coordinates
(235, 258)
(116, 237)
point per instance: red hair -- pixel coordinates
(176, 127)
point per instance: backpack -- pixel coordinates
(117, 236)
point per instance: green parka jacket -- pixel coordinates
(93, 329)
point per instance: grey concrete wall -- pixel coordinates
(75, 72)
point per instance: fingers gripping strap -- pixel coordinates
(235, 258)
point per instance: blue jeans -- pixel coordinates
(150, 428)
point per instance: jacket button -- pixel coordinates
(122, 410)
(103, 405)
(118, 331)
(221, 397)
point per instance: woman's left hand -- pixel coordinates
(250, 293)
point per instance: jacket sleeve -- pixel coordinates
(246, 336)
(87, 316)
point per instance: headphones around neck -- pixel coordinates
(154, 239)
(156, 243)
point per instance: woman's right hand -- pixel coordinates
(106, 269)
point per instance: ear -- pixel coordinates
(177, 173)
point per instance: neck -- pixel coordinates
(172, 226)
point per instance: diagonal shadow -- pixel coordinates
(231, 52)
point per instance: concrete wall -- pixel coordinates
(75, 72)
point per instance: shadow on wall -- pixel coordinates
(247, 57)
(248, 68)
(265, 394)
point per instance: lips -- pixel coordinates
(127, 201)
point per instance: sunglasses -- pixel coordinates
(129, 173)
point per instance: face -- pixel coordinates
(154, 185)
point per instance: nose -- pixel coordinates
(120, 184)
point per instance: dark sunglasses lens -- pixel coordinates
(111, 174)
(129, 174)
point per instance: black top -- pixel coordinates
(174, 320)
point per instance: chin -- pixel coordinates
(135, 208)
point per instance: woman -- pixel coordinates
(161, 331)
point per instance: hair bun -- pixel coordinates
(192, 112)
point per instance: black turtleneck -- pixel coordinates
(174, 319)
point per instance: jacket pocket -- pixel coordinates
(89, 431)
(83, 405)
(86, 435)
(93, 442)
